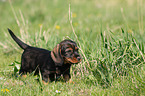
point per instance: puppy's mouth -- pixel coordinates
(74, 60)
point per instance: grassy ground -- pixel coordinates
(109, 34)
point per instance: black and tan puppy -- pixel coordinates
(51, 64)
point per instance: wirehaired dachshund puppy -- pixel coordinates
(51, 64)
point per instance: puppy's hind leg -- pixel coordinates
(22, 73)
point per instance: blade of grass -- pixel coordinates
(139, 49)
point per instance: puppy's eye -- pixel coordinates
(68, 51)
(76, 50)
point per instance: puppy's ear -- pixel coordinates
(56, 55)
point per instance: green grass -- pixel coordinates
(110, 35)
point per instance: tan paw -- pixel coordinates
(24, 76)
(70, 81)
(45, 83)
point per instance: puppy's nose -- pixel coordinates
(79, 58)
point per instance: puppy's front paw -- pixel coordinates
(45, 83)
(70, 81)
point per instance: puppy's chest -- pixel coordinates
(61, 70)
(58, 71)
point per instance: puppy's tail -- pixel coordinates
(17, 40)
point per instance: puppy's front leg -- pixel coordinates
(45, 80)
(48, 78)
(67, 78)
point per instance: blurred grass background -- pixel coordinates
(110, 34)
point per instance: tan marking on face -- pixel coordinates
(69, 49)
(72, 60)
(76, 48)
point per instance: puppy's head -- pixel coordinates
(66, 52)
